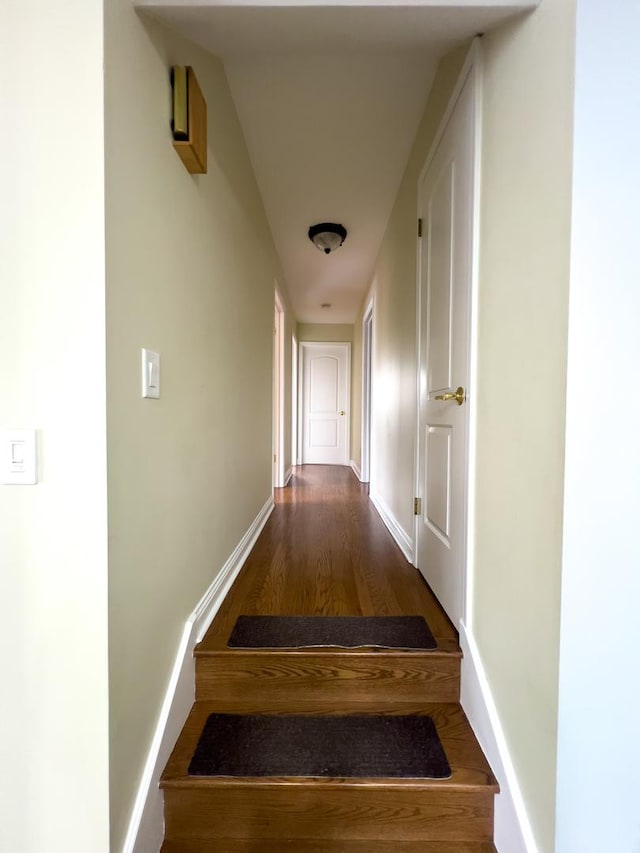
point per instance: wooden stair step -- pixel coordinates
(310, 845)
(325, 551)
(300, 680)
(469, 767)
(455, 809)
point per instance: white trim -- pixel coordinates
(295, 438)
(278, 389)
(367, 390)
(519, 6)
(472, 424)
(402, 538)
(288, 475)
(300, 406)
(146, 826)
(471, 69)
(512, 829)
(356, 469)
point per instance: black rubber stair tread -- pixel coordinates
(470, 769)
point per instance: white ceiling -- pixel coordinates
(329, 95)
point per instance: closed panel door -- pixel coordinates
(325, 372)
(446, 201)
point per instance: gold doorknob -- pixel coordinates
(343, 412)
(458, 395)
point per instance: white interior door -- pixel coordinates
(325, 397)
(447, 208)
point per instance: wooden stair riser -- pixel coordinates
(305, 845)
(301, 681)
(272, 812)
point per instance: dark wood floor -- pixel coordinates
(325, 551)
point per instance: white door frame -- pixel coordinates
(367, 392)
(472, 70)
(295, 443)
(278, 393)
(302, 347)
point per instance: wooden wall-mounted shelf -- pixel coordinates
(193, 150)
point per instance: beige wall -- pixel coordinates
(53, 536)
(191, 273)
(394, 337)
(524, 264)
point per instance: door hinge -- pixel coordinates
(420, 227)
(274, 457)
(417, 506)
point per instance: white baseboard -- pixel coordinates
(512, 830)
(403, 540)
(146, 827)
(356, 469)
(288, 476)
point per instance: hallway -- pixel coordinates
(326, 552)
(145, 509)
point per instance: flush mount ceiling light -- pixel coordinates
(327, 236)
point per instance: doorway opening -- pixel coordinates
(278, 475)
(294, 401)
(367, 355)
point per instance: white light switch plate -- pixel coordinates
(150, 374)
(18, 457)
